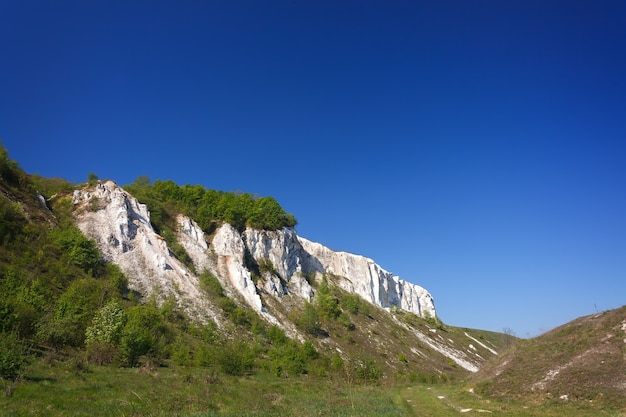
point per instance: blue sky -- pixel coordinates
(476, 148)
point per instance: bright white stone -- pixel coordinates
(367, 279)
(121, 227)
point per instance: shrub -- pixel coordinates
(266, 266)
(292, 358)
(181, 353)
(11, 220)
(275, 335)
(13, 356)
(211, 284)
(309, 321)
(351, 302)
(367, 370)
(67, 324)
(107, 325)
(79, 250)
(327, 304)
(236, 358)
(144, 334)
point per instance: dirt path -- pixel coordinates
(427, 401)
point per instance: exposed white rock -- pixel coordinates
(458, 356)
(283, 249)
(367, 279)
(292, 256)
(121, 227)
(481, 343)
(229, 248)
(193, 240)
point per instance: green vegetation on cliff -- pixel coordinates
(208, 207)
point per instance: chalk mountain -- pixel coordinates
(275, 273)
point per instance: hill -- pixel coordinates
(97, 286)
(583, 361)
(90, 272)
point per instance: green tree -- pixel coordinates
(107, 325)
(79, 250)
(102, 338)
(267, 214)
(74, 310)
(11, 220)
(144, 334)
(92, 178)
(10, 171)
(327, 304)
(309, 321)
(13, 356)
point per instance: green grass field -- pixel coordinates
(73, 389)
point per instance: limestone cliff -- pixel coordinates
(121, 227)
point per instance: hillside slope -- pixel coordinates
(277, 274)
(583, 360)
(85, 273)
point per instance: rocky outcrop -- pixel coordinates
(362, 276)
(293, 257)
(284, 252)
(121, 227)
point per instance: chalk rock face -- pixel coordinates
(367, 279)
(284, 251)
(293, 257)
(121, 227)
(193, 240)
(230, 251)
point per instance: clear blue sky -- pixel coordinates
(476, 148)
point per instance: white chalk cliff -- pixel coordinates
(121, 227)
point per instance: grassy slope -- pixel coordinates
(69, 388)
(584, 360)
(389, 339)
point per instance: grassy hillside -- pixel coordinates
(65, 388)
(74, 340)
(582, 361)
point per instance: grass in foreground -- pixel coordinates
(71, 389)
(454, 400)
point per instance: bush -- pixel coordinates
(235, 359)
(144, 334)
(180, 352)
(327, 304)
(211, 284)
(367, 370)
(275, 335)
(291, 358)
(80, 251)
(353, 303)
(309, 321)
(11, 220)
(73, 312)
(107, 325)
(13, 356)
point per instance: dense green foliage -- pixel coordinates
(330, 307)
(208, 207)
(52, 278)
(13, 356)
